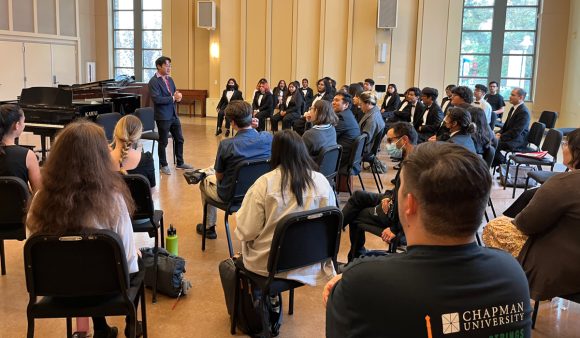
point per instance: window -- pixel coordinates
(498, 43)
(136, 37)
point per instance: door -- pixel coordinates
(37, 65)
(12, 75)
(64, 64)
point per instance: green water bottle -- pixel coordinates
(171, 240)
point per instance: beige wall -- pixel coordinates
(570, 112)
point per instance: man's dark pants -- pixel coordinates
(164, 127)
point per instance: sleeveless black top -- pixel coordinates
(13, 162)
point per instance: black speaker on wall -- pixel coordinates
(387, 14)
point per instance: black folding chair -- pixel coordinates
(80, 275)
(146, 218)
(355, 160)
(301, 239)
(328, 161)
(540, 176)
(551, 145)
(246, 174)
(147, 117)
(14, 196)
(372, 157)
(488, 156)
(548, 118)
(108, 121)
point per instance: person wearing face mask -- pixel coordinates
(380, 210)
(290, 108)
(458, 122)
(229, 94)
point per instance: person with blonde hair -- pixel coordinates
(127, 154)
(81, 191)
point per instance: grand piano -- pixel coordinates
(48, 109)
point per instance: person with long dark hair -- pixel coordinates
(229, 94)
(392, 99)
(483, 136)
(82, 190)
(263, 104)
(458, 122)
(280, 93)
(293, 185)
(322, 134)
(355, 90)
(290, 109)
(15, 160)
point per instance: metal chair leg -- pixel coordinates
(69, 327)
(236, 300)
(143, 311)
(30, 332)
(204, 223)
(515, 181)
(361, 182)
(486, 216)
(375, 174)
(535, 313)
(490, 202)
(155, 268)
(162, 229)
(228, 236)
(290, 302)
(2, 257)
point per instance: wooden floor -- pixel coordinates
(202, 313)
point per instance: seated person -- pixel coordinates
(263, 104)
(15, 160)
(551, 221)
(231, 93)
(355, 90)
(247, 144)
(483, 136)
(495, 99)
(479, 101)
(375, 209)
(513, 136)
(78, 173)
(127, 154)
(446, 101)
(326, 93)
(445, 284)
(458, 122)
(292, 186)
(322, 134)
(372, 121)
(427, 122)
(409, 108)
(392, 100)
(462, 97)
(347, 128)
(290, 108)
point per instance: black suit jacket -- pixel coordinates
(307, 98)
(347, 130)
(267, 104)
(163, 104)
(224, 99)
(434, 118)
(294, 106)
(276, 94)
(394, 103)
(514, 132)
(405, 114)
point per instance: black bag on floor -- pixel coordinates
(252, 313)
(508, 178)
(170, 270)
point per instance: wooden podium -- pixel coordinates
(189, 98)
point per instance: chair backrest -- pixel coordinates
(305, 238)
(536, 134)
(328, 161)
(377, 142)
(75, 265)
(488, 156)
(492, 120)
(14, 196)
(548, 118)
(552, 143)
(147, 117)
(246, 174)
(141, 193)
(357, 150)
(108, 122)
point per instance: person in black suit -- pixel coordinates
(290, 108)
(230, 93)
(280, 93)
(164, 95)
(347, 128)
(514, 133)
(392, 100)
(355, 90)
(458, 122)
(427, 123)
(410, 107)
(325, 92)
(446, 101)
(263, 104)
(308, 95)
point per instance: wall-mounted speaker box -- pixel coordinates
(206, 14)
(387, 14)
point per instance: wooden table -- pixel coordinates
(189, 98)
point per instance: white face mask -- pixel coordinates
(393, 151)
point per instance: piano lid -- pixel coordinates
(46, 96)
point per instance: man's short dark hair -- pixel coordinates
(346, 97)
(305, 79)
(371, 81)
(493, 82)
(405, 129)
(464, 92)
(450, 87)
(521, 92)
(161, 61)
(415, 90)
(452, 186)
(431, 93)
(240, 112)
(481, 87)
